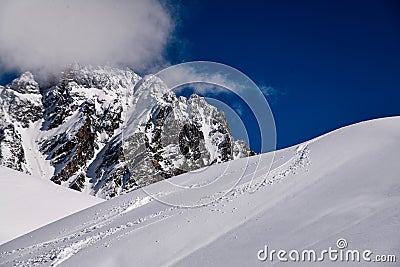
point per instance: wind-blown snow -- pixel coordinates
(345, 184)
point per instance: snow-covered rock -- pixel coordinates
(20, 106)
(105, 131)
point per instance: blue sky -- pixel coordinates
(331, 63)
(327, 63)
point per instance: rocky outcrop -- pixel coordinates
(12, 154)
(22, 101)
(20, 107)
(106, 131)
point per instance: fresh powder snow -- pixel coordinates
(28, 202)
(342, 186)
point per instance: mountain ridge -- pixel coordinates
(78, 132)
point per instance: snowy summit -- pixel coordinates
(105, 131)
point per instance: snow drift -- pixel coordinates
(28, 203)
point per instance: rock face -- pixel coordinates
(11, 151)
(21, 105)
(106, 131)
(87, 104)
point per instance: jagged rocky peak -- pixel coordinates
(89, 103)
(106, 131)
(174, 136)
(25, 84)
(100, 88)
(21, 100)
(101, 77)
(20, 106)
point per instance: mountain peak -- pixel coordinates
(105, 131)
(25, 84)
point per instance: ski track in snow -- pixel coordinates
(59, 250)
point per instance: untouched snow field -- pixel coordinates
(343, 185)
(27, 203)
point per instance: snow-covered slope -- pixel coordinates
(345, 184)
(28, 202)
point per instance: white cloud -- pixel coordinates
(211, 77)
(46, 35)
(203, 77)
